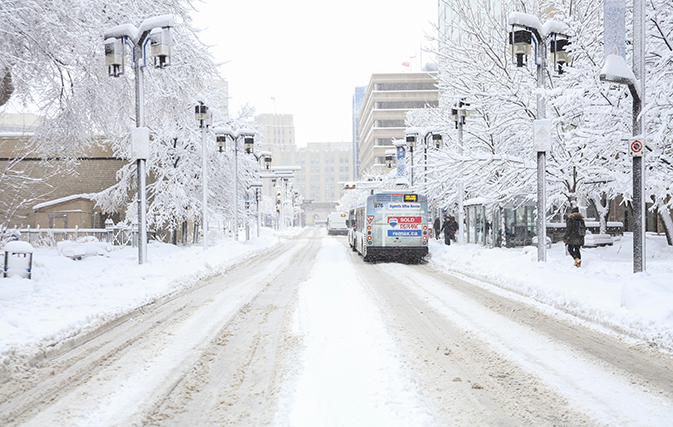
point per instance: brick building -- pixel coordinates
(51, 180)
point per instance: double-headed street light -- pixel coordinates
(459, 114)
(205, 118)
(526, 31)
(157, 32)
(390, 158)
(248, 136)
(417, 135)
(411, 137)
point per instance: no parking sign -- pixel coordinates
(636, 147)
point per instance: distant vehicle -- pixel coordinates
(391, 225)
(336, 223)
(351, 229)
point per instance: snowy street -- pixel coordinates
(305, 333)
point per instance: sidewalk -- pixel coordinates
(604, 291)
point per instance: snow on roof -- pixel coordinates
(475, 201)
(88, 196)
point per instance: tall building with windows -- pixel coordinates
(323, 165)
(278, 130)
(382, 116)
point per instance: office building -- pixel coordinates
(382, 116)
(323, 165)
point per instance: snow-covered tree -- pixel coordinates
(53, 62)
(588, 161)
(659, 110)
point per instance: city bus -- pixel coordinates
(391, 225)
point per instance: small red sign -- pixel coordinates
(405, 219)
(370, 218)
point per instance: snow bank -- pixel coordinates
(66, 297)
(604, 291)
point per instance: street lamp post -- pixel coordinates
(616, 70)
(411, 136)
(280, 174)
(523, 27)
(249, 141)
(157, 31)
(265, 158)
(257, 186)
(248, 137)
(204, 117)
(459, 115)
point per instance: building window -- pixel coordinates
(346, 169)
(317, 169)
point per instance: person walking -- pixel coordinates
(449, 228)
(574, 236)
(453, 227)
(437, 226)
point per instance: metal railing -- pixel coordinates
(116, 235)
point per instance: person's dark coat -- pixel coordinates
(450, 227)
(437, 225)
(575, 230)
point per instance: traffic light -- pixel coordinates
(278, 201)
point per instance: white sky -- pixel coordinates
(310, 55)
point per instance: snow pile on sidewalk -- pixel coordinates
(604, 291)
(66, 296)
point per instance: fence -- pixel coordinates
(116, 235)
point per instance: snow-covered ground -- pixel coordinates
(65, 296)
(604, 291)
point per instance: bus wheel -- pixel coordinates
(365, 257)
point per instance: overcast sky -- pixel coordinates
(310, 55)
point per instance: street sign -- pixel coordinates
(542, 135)
(636, 147)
